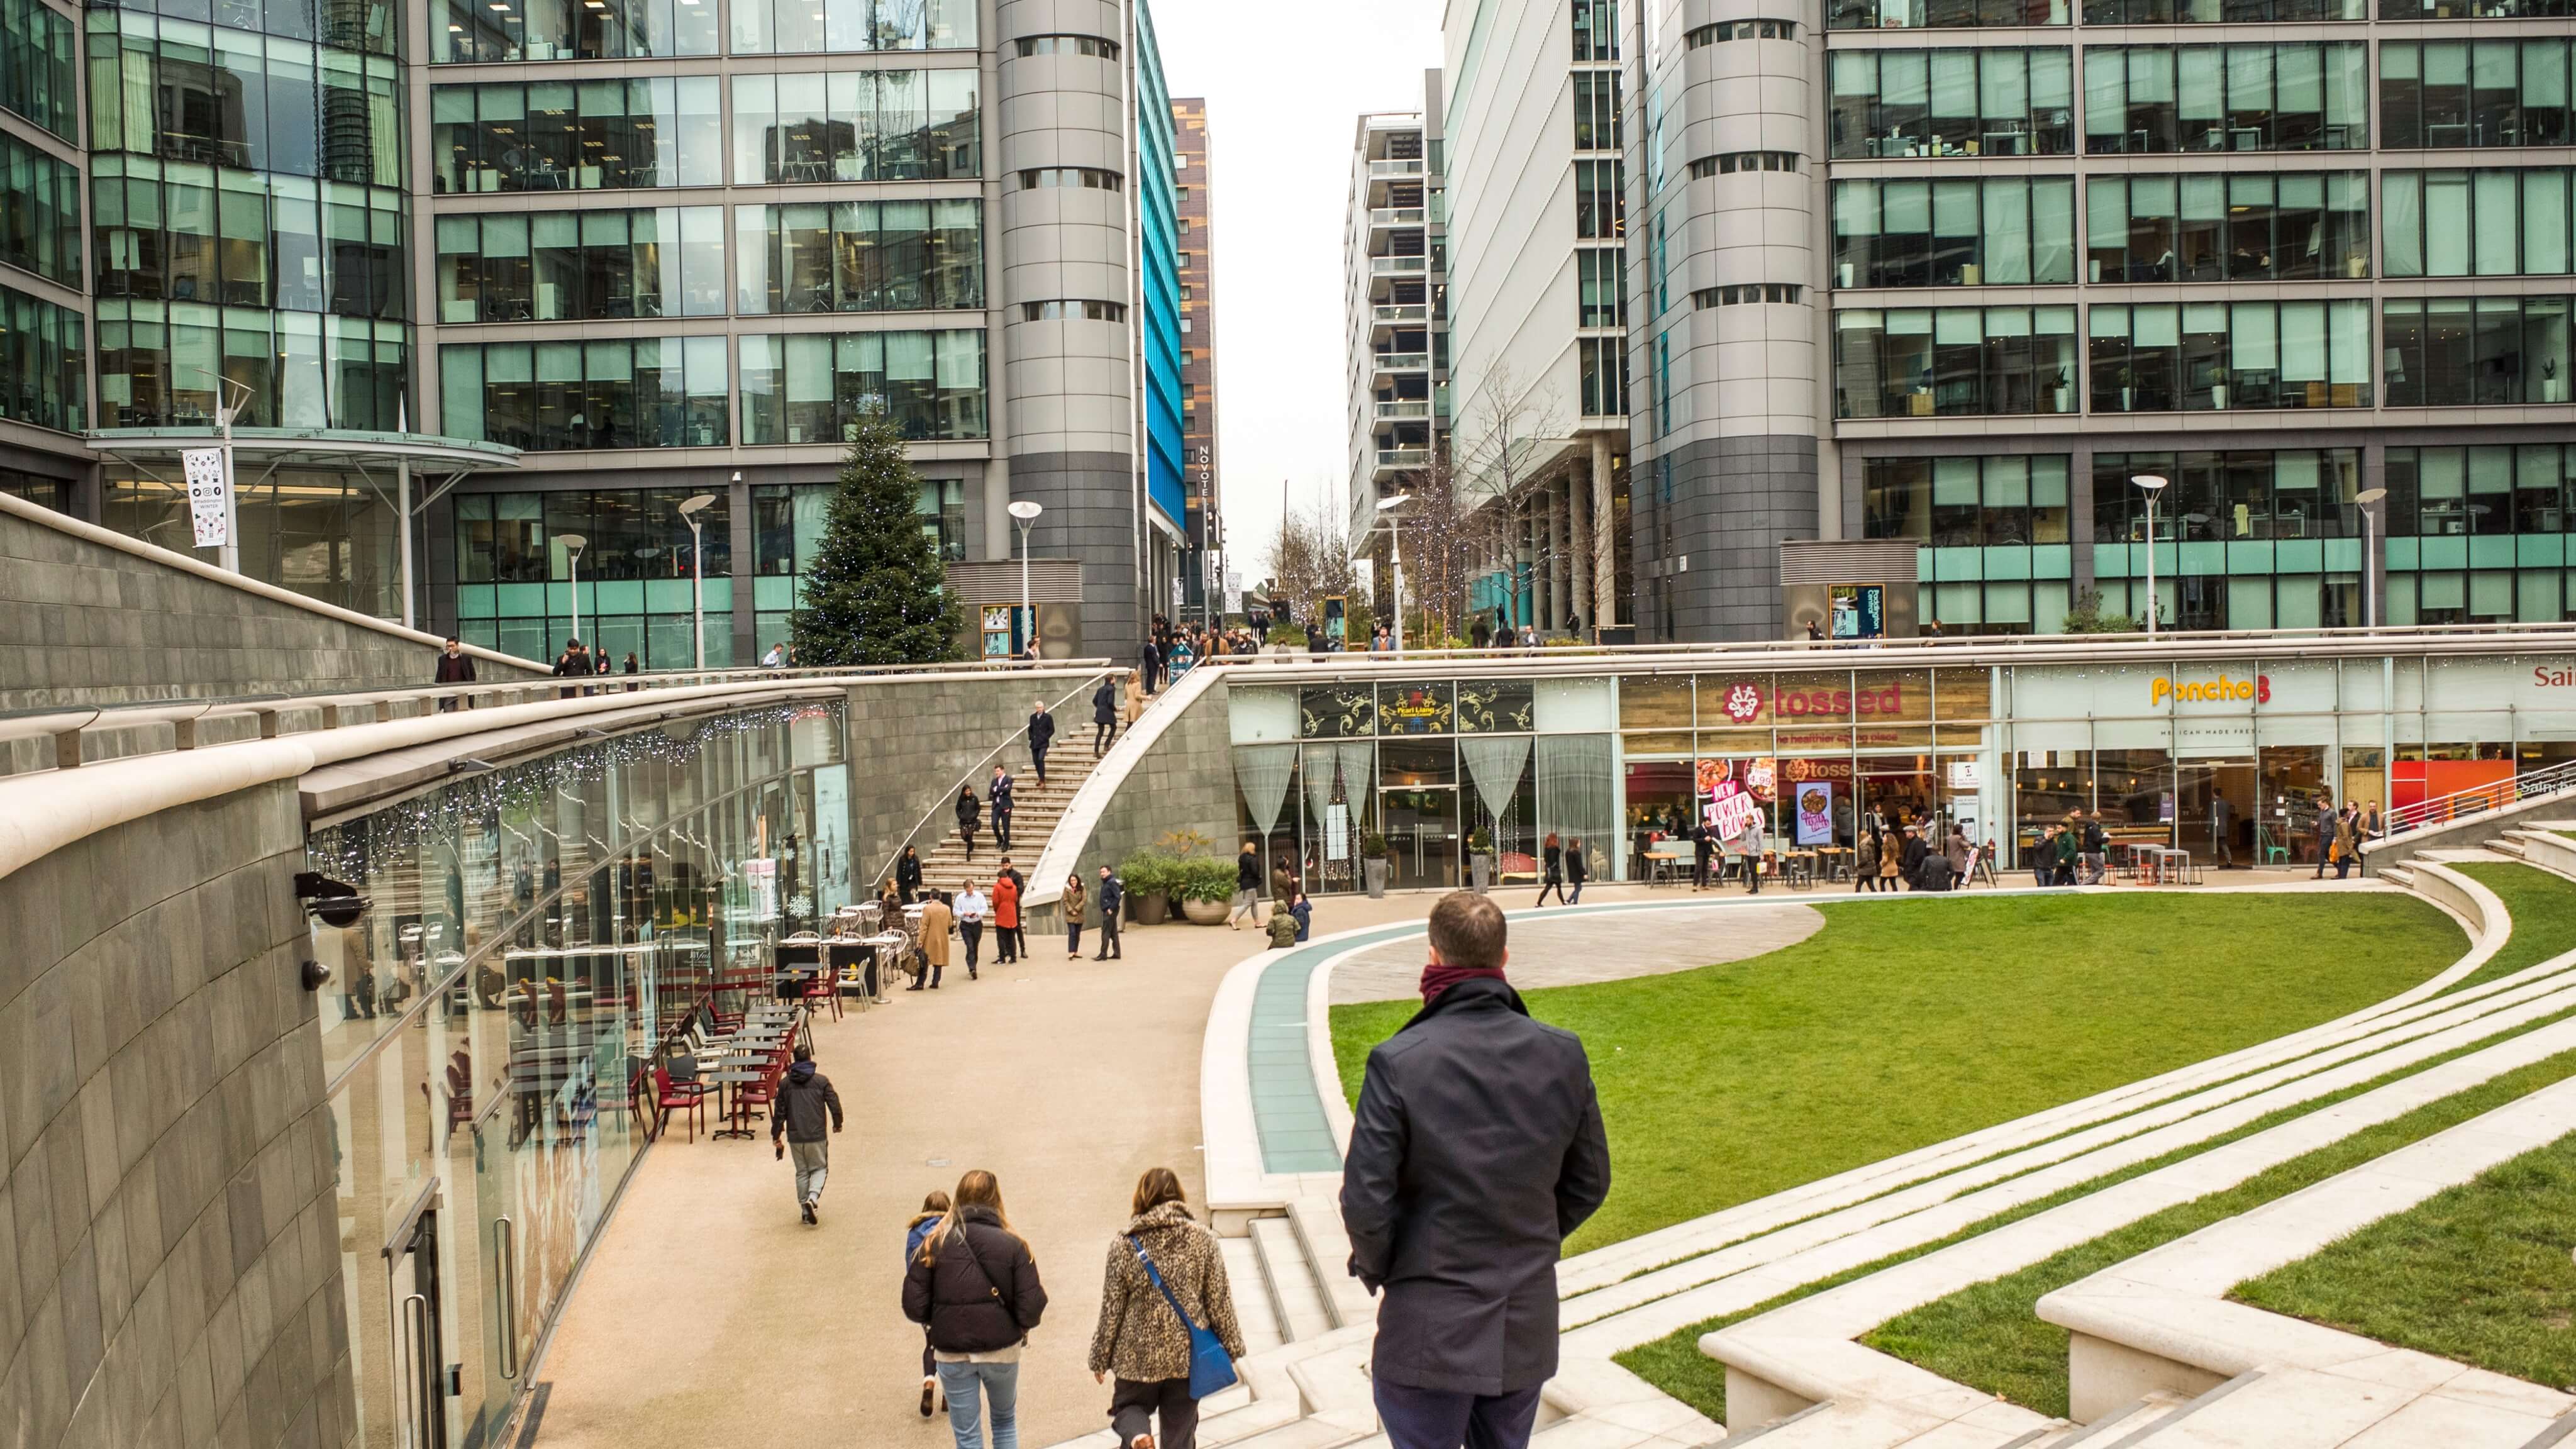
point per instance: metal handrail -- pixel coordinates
(973, 772)
(2477, 799)
(341, 707)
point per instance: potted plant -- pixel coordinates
(1373, 863)
(1149, 875)
(1205, 888)
(1480, 858)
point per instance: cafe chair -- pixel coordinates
(683, 1096)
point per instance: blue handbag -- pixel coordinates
(1211, 1367)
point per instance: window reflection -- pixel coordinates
(1924, 362)
(815, 388)
(646, 392)
(790, 27)
(860, 256)
(577, 136)
(190, 92)
(506, 30)
(40, 220)
(157, 365)
(873, 125)
(186, 232)
(557, 266)
(42, 363)
(39, 77)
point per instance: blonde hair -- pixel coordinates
(977, 1188)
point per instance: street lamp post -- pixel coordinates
(1386, 509)
(1026, 512)
(573, 544)
(689, 511)
(2150, 484)
(2366, 500)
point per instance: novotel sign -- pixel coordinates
(2222, 690)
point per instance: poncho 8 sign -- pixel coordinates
(207, 503)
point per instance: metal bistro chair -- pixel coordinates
(2272, 851)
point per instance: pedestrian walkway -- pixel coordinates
(709, 1313)
(1586, 948)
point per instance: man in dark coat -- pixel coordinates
(1149, 663)
(1104, 716)
(1909, 861)
(1477, 1147)
(998, 799)
(1041, 735)
(455, 666)
(1113, 898)
(796, 1119)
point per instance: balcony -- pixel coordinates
(1386, 313)
(1403, 408)
(1390, 459)
(1396, 168)
(1403, 362)
(1396, 216)
(1397, 266)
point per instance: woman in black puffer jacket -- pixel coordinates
(976, 1287)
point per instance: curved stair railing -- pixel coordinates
(941, 806)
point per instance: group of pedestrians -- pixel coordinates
(1918, 856)
(1170, 650)
(1476, 1149)
(2341, 830)
(1748, 845)
(575, 662)
(1562, 864)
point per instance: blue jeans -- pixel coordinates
(1001, 1381)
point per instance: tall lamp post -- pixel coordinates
(1387, 509)
(2366, 500)
(1026, 512)
(2150, 484)
(573, 544)
(689, 511)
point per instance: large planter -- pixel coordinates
(1204, 913)
(1480, 872)
(1152, 908)
(1373, 875)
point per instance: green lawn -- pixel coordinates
(1990, 1337)
(2479, 1273)
(1901, 1025)
(2543, 907)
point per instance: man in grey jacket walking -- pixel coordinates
(1476, 1149)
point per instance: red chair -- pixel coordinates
(759, 1094)
(688, 1097)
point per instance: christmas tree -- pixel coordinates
(875, 593)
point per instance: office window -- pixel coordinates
(577, 136)
(185, 232)
(2218, 497)
(869, 125)
(1967, 502)
(2440, 95)
(2156, 99)
(806, 27)
(2252, 226)
(1605, 376)
(1941, 14)
(2472, 351)
(1953, 102)
(2475, 9)
(1733, 161)
(1090, 45)
(219, 97)
(859, 256)
(1999, 231)
(1726, 30)
(40, 222)
(2210, 356)
(1074, 311)
(2487, 223)
(39, 76)
(1596, 110)
(303, 369)
(579, 265)
(815, 387)
(1953, 361)
(1600, 200)
(2449, 492)
(2214, 12)
(1602, 276)
(619, 392)
(1596, 29)
(1745, 295)
(1089, 178)
(46, 366)
(483, 31)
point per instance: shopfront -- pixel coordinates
(2226, 757)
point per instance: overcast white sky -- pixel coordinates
(1284, 90)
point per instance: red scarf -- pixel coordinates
(1440, 977)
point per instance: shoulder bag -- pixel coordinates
(967, 1240)
(1211, 1367)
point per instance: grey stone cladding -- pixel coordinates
(1734, 501)
(912, 741)
(1091, 518)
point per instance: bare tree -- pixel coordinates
(1311, 560)
(1501, 449)
(1444, 538)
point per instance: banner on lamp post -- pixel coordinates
(208, 495)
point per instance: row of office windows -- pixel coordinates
(2204, 356)
(672, 392)
(1964, 14)
(218, 96)
(183, 231)
(364, 25)
(159, 365)
(889, 125)
(846, 256)
(2204, 227)
(40, 223)
(43, 363)
(638, 534)
(39, 66)
(484, 31)
(2177, 99)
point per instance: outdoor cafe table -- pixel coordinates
(736, 1076)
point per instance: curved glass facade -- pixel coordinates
(39, 76)
(40, 225)
(248, 194)
(534, 937)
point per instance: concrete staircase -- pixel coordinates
(946, 867)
